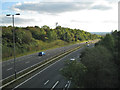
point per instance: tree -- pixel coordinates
(23, 36)
(96, 70)
(46, 28)
(75, 72)
(108, 42)
(51, 34)
(102, 71)
(7, 34)
(42, 34)
(35, 33)
(68, 37)
(30, 38)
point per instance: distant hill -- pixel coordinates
(100, 33)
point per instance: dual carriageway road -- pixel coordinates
(49, 77)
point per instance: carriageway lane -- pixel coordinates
(50, 77)
(29, 60)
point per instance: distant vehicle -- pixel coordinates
(41, 53)
(72, 59)
(88, 45)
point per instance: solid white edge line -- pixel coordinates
(65, 85)
(21, 71)
(9, 69)
(62, 58)
(41, 71)
(35, 75)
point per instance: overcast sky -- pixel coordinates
(88, 15)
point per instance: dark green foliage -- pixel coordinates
(7, 35)
(113, 45)
(102, 71)
(74, 71)
(117, 53)
(108, 42)
(42, 34)
(23, 36)
(102, 63)
(51, 35)
(96, 70)
(7, 51)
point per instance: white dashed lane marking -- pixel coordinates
(46, 82)
(9, 69)
(27, 62)
(54, 85)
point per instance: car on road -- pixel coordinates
(88, 45)
(41, 53)
(72, 59)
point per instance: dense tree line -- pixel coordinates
(32, 38)
(99, 67)
(113, 46)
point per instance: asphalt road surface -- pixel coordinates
(29, 60)
(50, 77)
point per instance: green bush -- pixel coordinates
(102, 71)
(74, 71)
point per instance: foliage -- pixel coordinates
(23, 36)
(96, 70)
(112, 43)
(102, 72)
(108, 42)
(32, 38)
(75, 72)
(102, 63)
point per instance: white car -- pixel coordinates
(72, 59)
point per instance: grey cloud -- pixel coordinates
(58, 7)
(8, 20)
(101, 7)
(53, 7)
